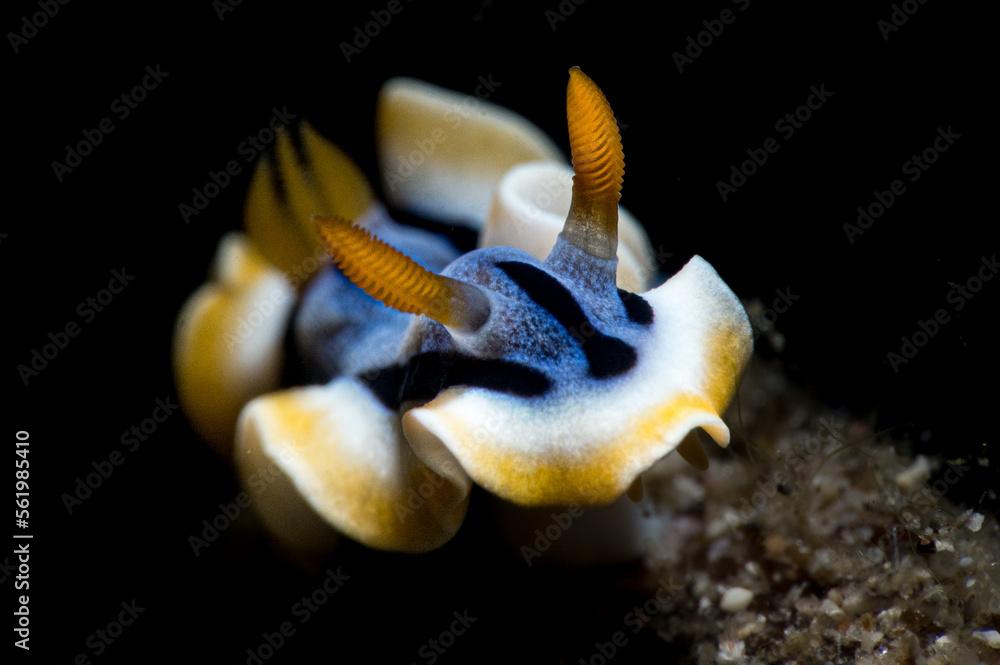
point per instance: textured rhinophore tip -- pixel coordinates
(398, 281)
(598, 165)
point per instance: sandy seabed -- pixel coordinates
(819, 542)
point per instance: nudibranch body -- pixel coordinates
(535, 376)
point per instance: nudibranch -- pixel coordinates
(539, 366)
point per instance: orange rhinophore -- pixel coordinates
(598, 165)
(400, 282)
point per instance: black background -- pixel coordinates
(682, 131)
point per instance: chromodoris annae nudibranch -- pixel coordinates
(540, 366)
